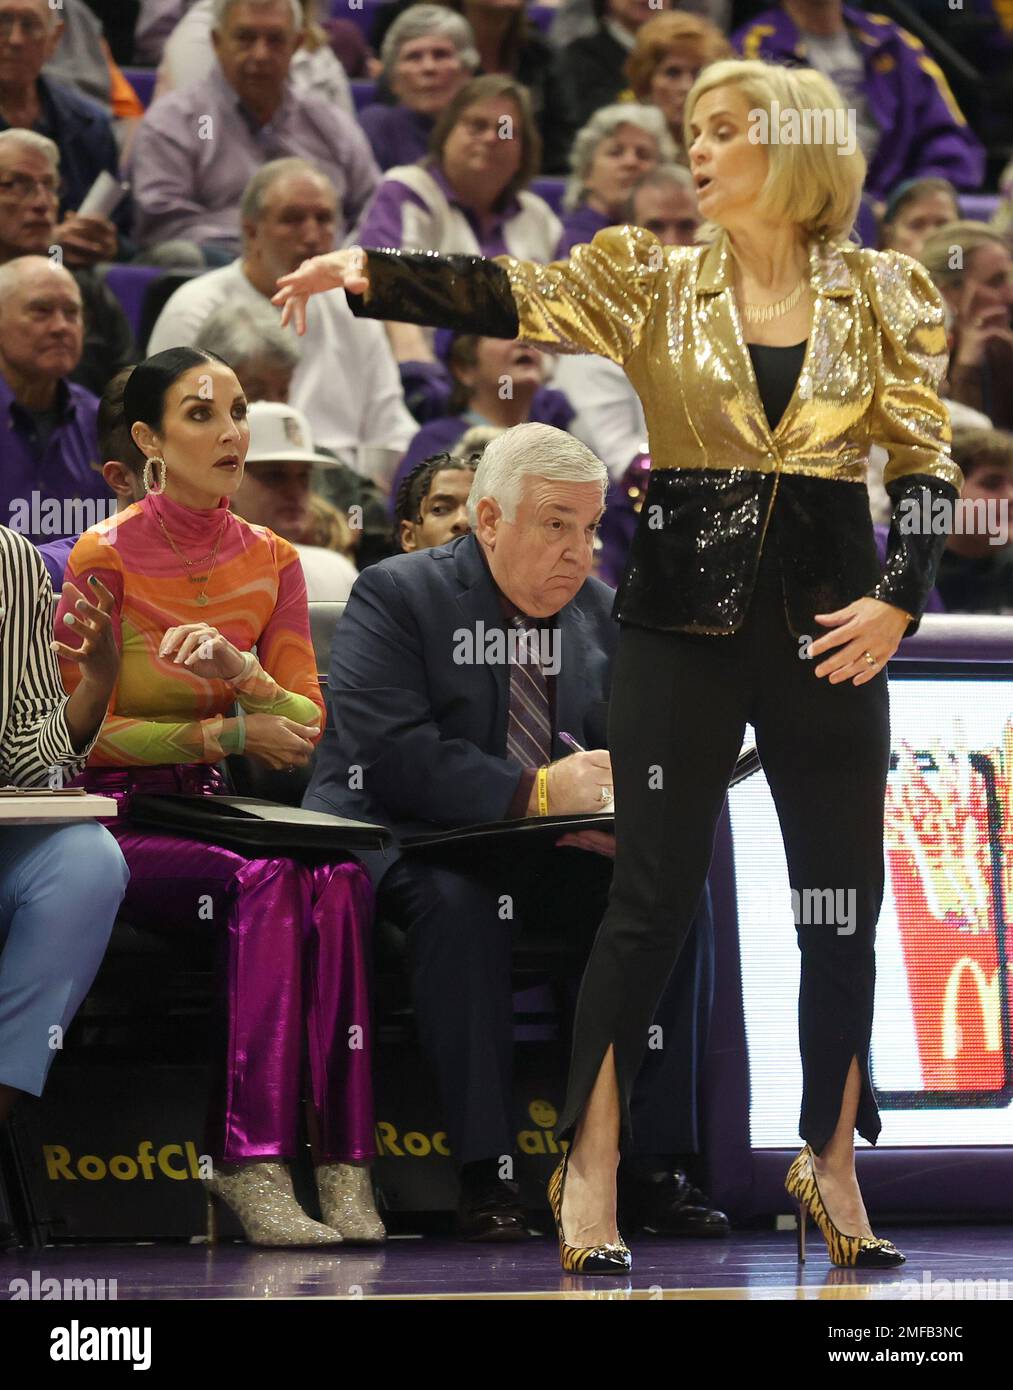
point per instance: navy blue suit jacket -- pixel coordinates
(429, 732)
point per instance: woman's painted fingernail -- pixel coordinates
(92, 580)
(69, 619)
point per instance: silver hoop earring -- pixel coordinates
(148, 478)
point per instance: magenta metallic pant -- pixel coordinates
(293, 973)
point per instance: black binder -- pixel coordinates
(248, 823)
(540, 830)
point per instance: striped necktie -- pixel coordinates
(529, 731)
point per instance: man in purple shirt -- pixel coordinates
(198, 147)
(909, 124)
(49, 480)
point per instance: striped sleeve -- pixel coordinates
(34, 738)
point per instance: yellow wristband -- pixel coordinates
(543, 791)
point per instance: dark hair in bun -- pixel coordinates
(146, 387)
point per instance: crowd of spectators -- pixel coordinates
(262, 132)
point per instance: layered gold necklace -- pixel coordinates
(202, 579)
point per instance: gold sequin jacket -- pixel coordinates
(873, 363)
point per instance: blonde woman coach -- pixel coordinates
(768, 361)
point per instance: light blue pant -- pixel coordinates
(60, 889)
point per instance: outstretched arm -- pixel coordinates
(597, 300)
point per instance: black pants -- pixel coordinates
(679, 706)
(460, 940)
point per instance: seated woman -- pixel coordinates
(428, 54)
(470, 194)
(668, 55)
(60, 885)
(977, 288)
(481, 367)
(619, 145)
(914, 210)
(507, 44)
(194, 590)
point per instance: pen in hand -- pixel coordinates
(571, 743)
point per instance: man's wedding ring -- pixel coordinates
(606, 795)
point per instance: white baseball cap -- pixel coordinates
(281, 434)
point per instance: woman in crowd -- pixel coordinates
(428, 54)
(471, 194)
(977, 287)
(507, 45)
(480, 367)
(195, 589)
(668, 55)
(767, 360)
(614, 151)
(913, 211)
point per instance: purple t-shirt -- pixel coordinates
(51, 486)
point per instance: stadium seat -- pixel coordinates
(363, 92)
(143, 82)
(159, 292)
(551, 189)
(541, 17)
(979, 207)
(130, 285)
(361, 12)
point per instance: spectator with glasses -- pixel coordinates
(29, 33)
(29, 198)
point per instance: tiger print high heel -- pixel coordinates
(584, 1259)
(860, 1251)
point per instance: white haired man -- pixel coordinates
(455, 672)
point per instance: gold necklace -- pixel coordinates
(763, 313)
(203, 579)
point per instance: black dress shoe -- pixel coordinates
(491, 1210)
(667, 1204)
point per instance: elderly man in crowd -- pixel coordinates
(29, 33)
(60, 886)
(433, 727)
(50, 485)
(197, 147)
(347, 382)
(29, 178)
(263, 355)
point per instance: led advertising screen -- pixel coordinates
(942, 1057)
